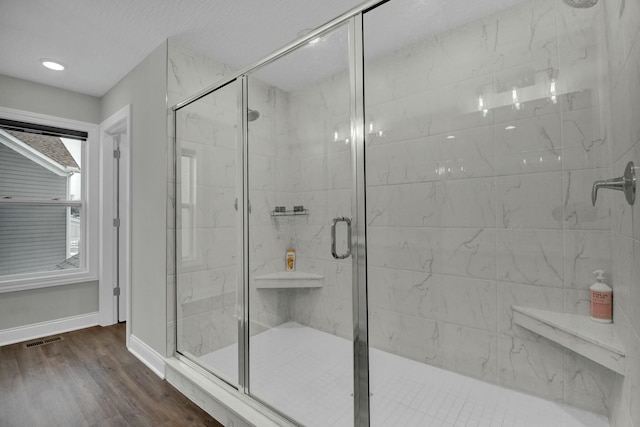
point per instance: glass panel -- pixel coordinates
(207, 232)
(36, 238)
(485, 130)
(35, 166)
(300, 180)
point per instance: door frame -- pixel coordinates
(118, 124)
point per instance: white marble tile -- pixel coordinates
(219, 166)
(338, 276)
(470, 302)
(469, 252)
(621, 115)
(407, 205)
(584, 252)
(215, 247)
(409, 292)
(414, 160)
(322, 206)
(581, 36)
(621, 275)
(314, 241)
(408, 118)
(529, 145)
(634, 291)
(327, 314)
(531, 201)
(532, 257)
(171, 205)
(510, 294)
(204, 284)
(578, 100)
(457, 107)
(526, 34)
(469, 203)
(579, 212)
(214, 207)
(631, 29)
(414, 337)
(587, 385)
(622, 214)
(407, 248)
(532, 366)
(584, 141)
(262, 172)
(633, 155)
(470, 352)
(577, 302)
(469, 153)
(190, 71)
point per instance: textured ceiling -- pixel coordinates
(100, 41)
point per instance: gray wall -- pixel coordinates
(41, 305)
(145, 89)
(42, 99)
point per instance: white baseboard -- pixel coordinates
(147, 355)
(43, 329)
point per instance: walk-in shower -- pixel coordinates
(431, 165)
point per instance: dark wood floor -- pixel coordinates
(88, 379)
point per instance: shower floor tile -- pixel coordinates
(307, 374)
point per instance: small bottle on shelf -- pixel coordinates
(291, 260)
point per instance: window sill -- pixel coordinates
(15, 284)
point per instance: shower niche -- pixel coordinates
(439, 168)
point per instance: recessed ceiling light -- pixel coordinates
(314, 41)
(510, 127)
(52, 64)
(451, 137)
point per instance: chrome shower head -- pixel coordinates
(253, 115)
(581, 4)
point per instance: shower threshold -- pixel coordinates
(307, 374)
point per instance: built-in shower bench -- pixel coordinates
(596, 341)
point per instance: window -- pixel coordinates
(45, 221)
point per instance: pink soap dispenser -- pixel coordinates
(601, 299)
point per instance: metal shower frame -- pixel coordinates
(354, 20)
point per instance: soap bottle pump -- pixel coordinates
(601, 299)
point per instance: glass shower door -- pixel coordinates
(208, 238)
(485, 128)
(299, 180)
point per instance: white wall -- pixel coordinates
(145, 88)
(24, 308)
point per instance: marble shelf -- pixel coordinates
(596, 341)
(289, 280)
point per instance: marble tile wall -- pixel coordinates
(207, 281)
(623, 43)
(471, 212)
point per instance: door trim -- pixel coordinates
(118, 124)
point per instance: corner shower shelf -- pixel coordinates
(596, 341)
(289, 280)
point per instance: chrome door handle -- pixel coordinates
(333, 237)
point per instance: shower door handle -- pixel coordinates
(333, 237)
